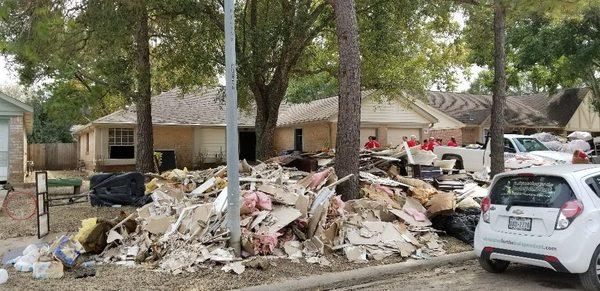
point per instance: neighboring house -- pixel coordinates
(191, 127)
(312, 126)
(16, 121)
(566, 111)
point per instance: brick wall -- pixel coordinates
(471, 135)
(446, 134)
(178, 138)
(314, 137)
(16, 148)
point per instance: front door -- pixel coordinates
(3, 150)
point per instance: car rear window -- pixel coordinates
(536, 191)
(594, 184)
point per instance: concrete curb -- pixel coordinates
(362, 275)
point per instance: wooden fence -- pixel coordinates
(53, 156)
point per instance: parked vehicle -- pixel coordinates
(476, 159)
(545, 216)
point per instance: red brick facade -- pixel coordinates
(17, 150)
(446, 134)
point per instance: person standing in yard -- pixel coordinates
(372, 143)
(412, 142)
(431, 144)
(425, 145)
(452, 142)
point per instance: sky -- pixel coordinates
(7, 76)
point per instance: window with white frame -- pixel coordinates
(121, 143)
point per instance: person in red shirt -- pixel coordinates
(452, 142)
(430, 144)
(372, 143)
(425, 145)
(412, 141)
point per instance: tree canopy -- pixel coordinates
(549, 47)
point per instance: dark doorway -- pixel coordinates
(298, 139)
(248, 145)
(168, 160)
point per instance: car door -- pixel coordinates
(3, 149)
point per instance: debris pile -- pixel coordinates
(575, 141)
(284, 212)
(50, 261)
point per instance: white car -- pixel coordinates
(476, 159)
(545, 216)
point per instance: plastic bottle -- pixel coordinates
(25, 263)
(3, 276)
(48, 270)
(31, 249)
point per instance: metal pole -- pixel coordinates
(233, 189)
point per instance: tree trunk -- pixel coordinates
(144, 144)
(499, 91)
(348, 127)
(267, 112)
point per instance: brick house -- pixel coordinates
(190, 128)
(16, 121)
(565, 111)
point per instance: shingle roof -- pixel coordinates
(317, 110)
(206, 107)
(466, 108)
(203, 106)
(475, 109)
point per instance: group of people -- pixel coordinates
(428, 144)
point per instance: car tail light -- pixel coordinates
(568, 212)
(485, 209)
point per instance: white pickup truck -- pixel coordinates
(476, 159)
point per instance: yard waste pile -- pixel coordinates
(285, 213)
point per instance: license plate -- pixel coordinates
(519, 223)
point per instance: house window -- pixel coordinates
(120, 143)
(298, 139)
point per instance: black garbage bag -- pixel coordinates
(118, 189)
(460, 224)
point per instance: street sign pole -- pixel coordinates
(233, 189)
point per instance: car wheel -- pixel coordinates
(591, 279)
(493, 266)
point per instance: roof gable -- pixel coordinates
(12, 106)
(372, 111)
(562, 105)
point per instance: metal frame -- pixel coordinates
(41, 192)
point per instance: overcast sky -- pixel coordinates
(7, 76)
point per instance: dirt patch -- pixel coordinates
(62, 219)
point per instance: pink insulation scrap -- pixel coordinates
(264, 244)
(385, 189)
(253, 202)
(338, 204)
(318, 178)
(263, 201)
(418, 216)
